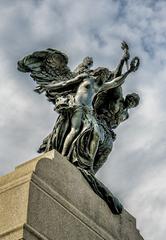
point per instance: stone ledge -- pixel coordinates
(23, 169)
(48, 198)
(71, 209)
(31, 233)
(13, 234)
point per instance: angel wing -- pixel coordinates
(49, 67)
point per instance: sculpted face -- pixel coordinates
(101, 74)
(88, 61)
(132, 100)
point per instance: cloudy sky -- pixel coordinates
(136, 170)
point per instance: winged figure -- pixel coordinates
(89, 101)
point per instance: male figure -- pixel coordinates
(111, 109)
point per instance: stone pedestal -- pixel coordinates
(48, 198)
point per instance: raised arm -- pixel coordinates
(124, 59)
(118, 81)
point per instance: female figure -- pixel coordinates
(82, 140)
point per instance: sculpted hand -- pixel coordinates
(126, 56)
(125, 48)
(134, 64)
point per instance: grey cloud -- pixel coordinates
(94, 28)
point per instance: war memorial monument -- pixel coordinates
(56, 196)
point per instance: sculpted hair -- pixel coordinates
(135, 96)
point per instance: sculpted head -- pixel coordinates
(132, 100)
(101, 74)
(88, 61)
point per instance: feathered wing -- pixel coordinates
(48, 67)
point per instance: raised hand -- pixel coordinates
(125, 48)
(134, 64)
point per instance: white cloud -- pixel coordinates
(148, 202)
(94, 28)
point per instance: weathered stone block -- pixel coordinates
(48, 198)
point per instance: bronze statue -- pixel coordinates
(90, 104)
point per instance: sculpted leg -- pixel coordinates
(75, 127)
(94, 147)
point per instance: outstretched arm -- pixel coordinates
(116, 82)
(57, 86)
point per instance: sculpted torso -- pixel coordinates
(85, 92)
